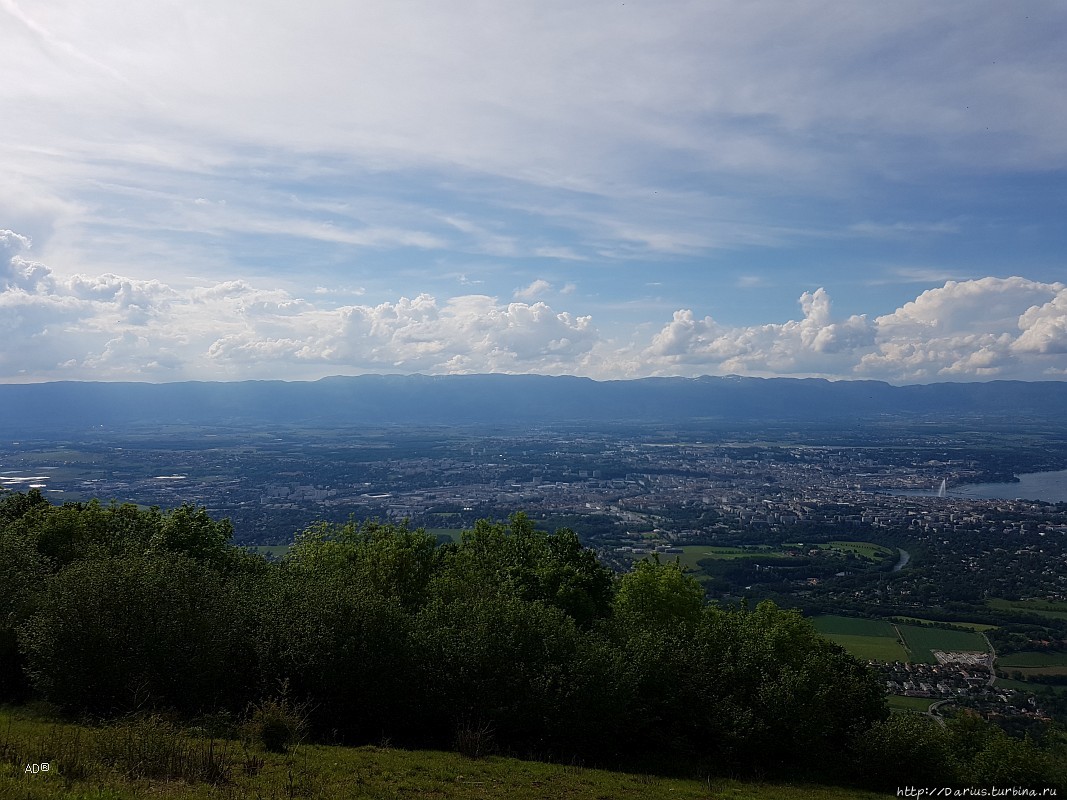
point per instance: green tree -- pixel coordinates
(113, 635)
(332, 623)
(655, 594)
(517, 560)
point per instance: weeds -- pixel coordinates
(475, 740)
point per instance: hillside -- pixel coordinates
(144, 760)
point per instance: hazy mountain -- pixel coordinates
(464, 399)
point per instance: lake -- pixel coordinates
(1048, 486)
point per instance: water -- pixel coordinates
(1048, 486)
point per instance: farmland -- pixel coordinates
(880, 640)
(1034, 663)
(921, 641)
(971, 626)
(867, 639)
(1042, 608)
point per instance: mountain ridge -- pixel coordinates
(508, 399)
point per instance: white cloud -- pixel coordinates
(534, 290)
(111, 327)
(1044, 328)
(965, 330)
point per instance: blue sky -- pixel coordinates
(266, 190)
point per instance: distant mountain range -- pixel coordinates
(509, 399)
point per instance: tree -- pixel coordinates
(113, 635)
(656, 594)
(517, 560)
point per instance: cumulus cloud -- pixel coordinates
(816, 344)
(114, 327)
(1044, 328)
(964, 330)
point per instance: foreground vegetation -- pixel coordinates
(511, 641)
(152, 758)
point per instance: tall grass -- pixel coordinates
(144, 748)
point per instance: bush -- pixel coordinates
(276, 724)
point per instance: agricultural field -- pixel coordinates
(900, 703)
(921, 641)
(1033, 663)
(1042, 607)
(881, 640)
(867, 639)
(971, 626)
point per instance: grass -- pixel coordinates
(270, 550)
(900, 703)
(878, 639)
(1033, 659)
(452, 533)
(1043, 608)
(921, 641)
(1031, 688)
(693, 554)
(872, 552)
(127, 762)
(1033, 663)
(972, 626)
(866, 639)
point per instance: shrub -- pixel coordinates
(276, 724)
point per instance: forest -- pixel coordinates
(512, 640)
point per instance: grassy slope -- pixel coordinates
(332, 772)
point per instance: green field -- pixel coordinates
(270, 550)
(900, 703)
(866, 639)
(452, 533)
(973, 626)
(1042, 607)
(1033, 663)
(873, 552)
(1033, 659)
(921, 641)
(693, 554)
(877, 639)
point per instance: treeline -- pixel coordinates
(512, 639)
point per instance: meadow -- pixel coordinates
(900, 703)
(1034, 663)
(693, 554)
(150, 758)
(867, 639)
(1043, 608)
(971, 626)
(881, 640)
(921, 641)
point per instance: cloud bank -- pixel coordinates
(109, 327)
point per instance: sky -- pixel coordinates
(274, 190)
